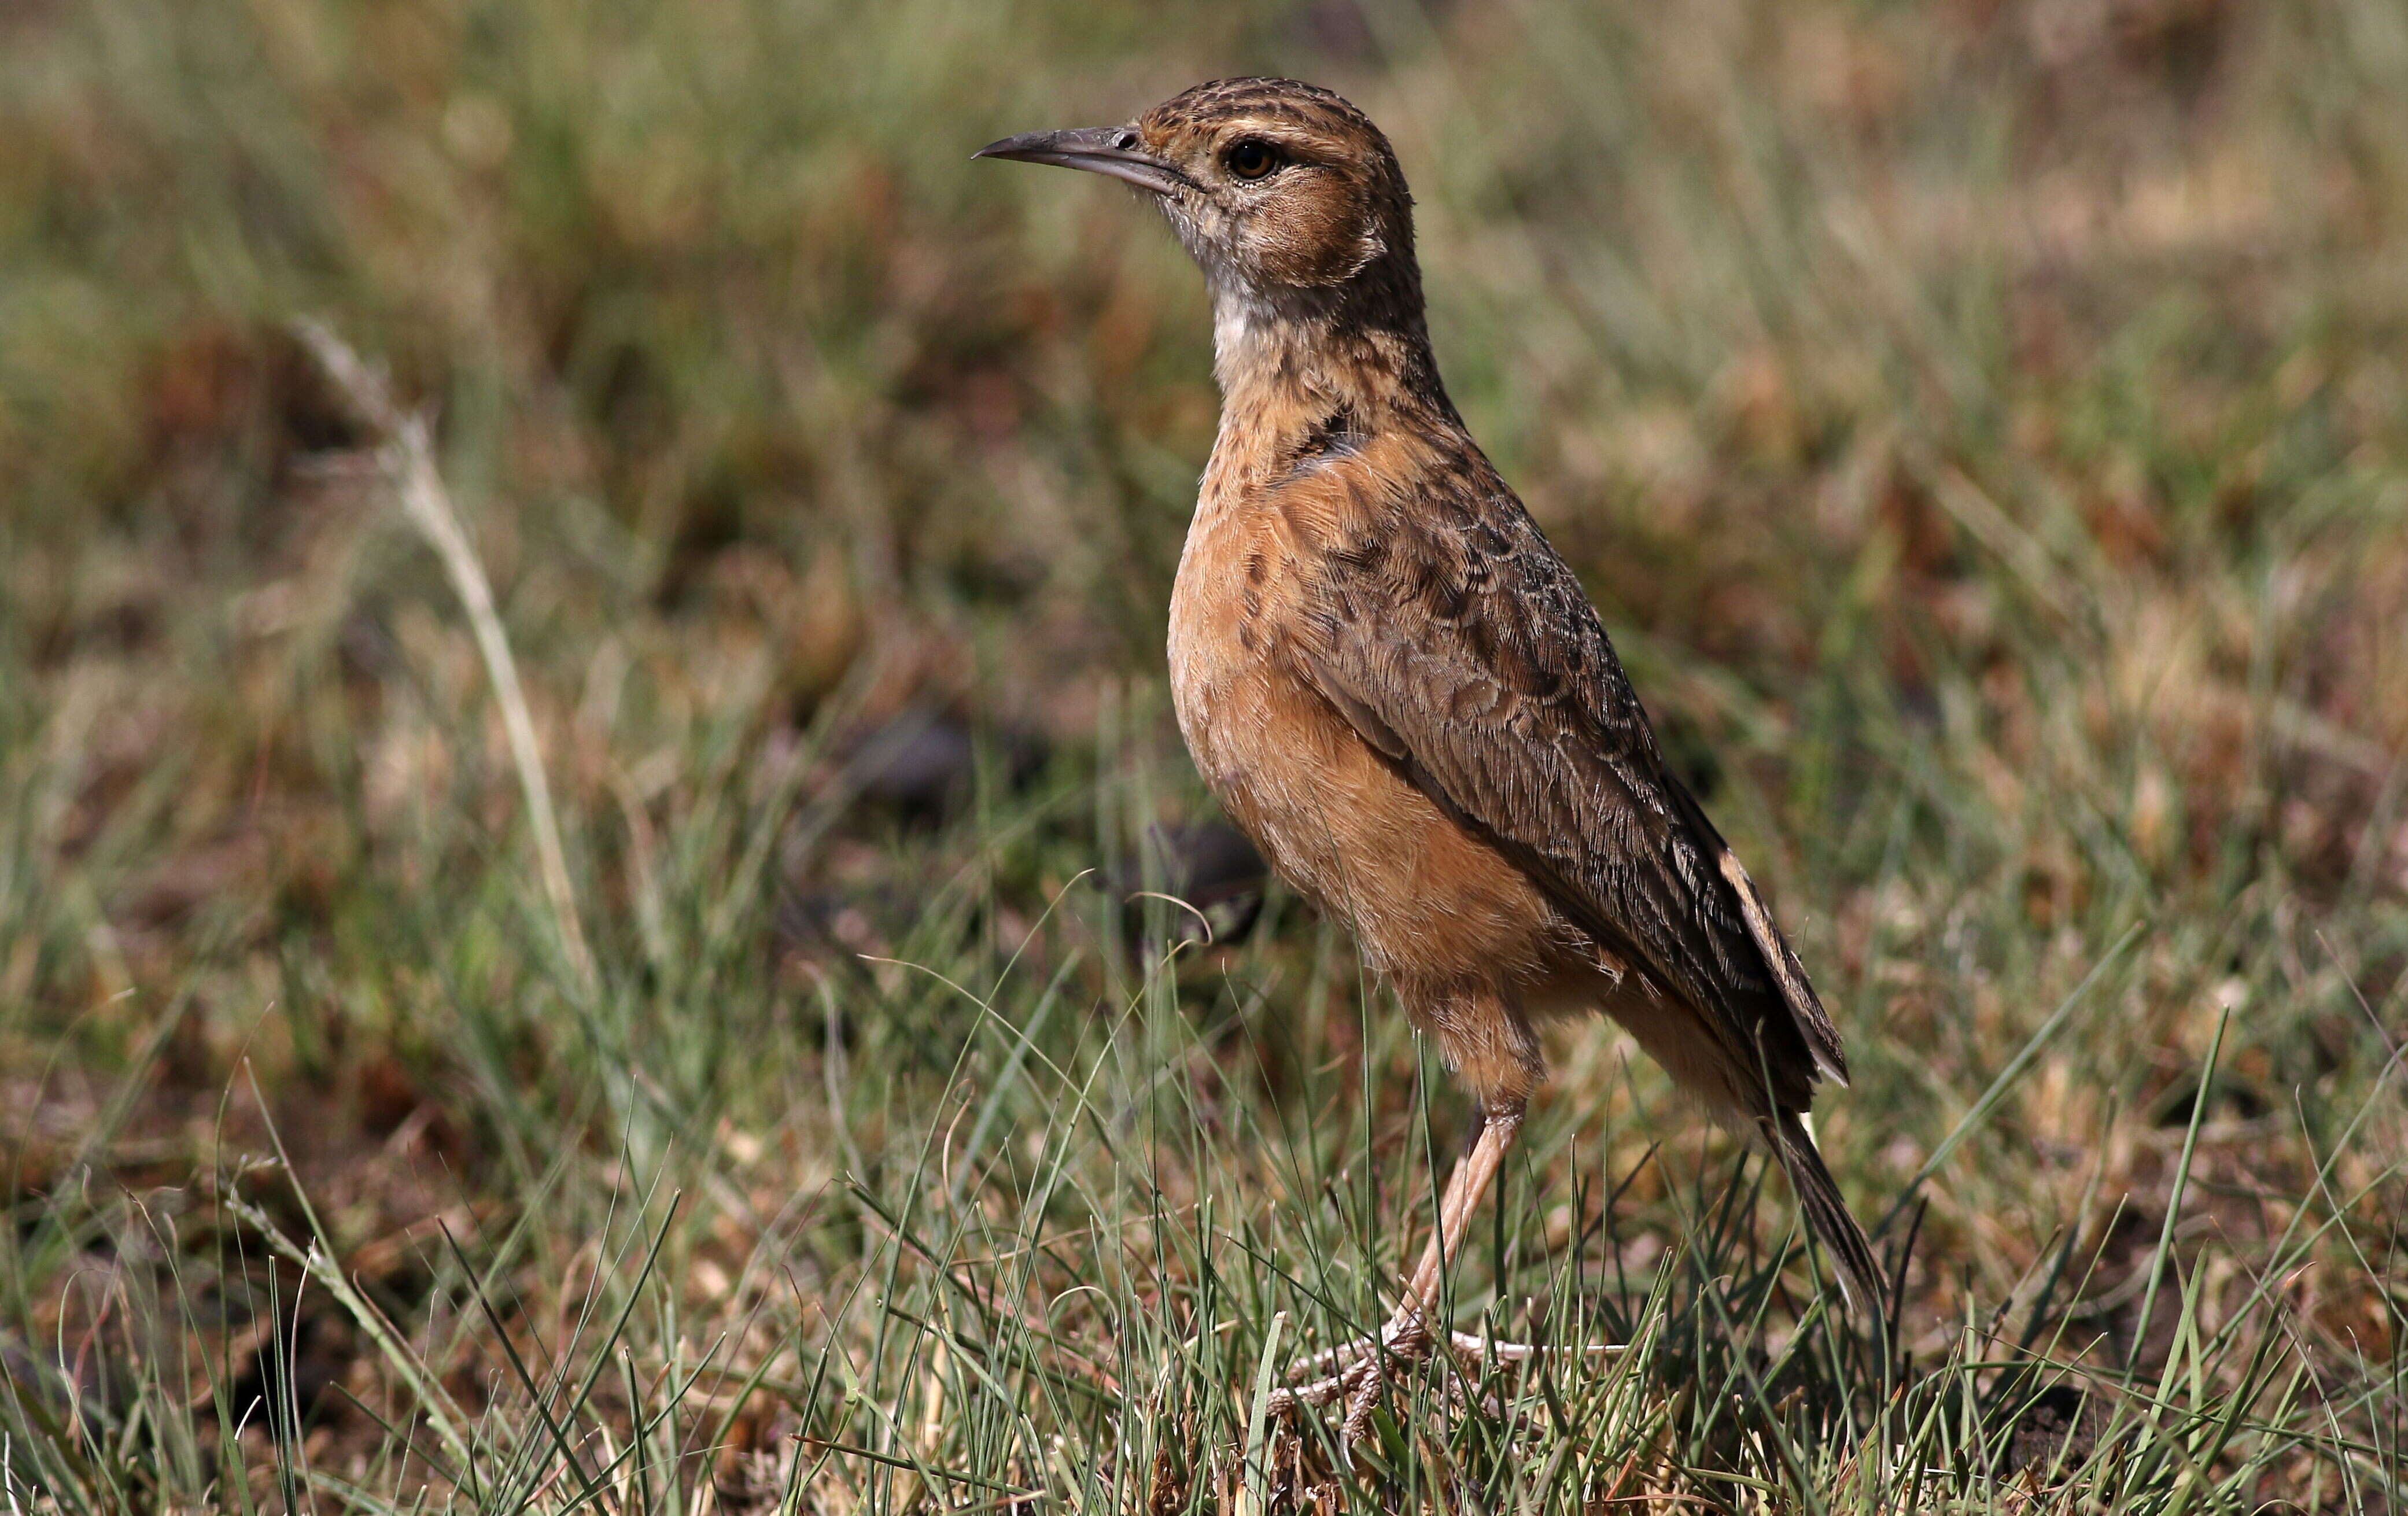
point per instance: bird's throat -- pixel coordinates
(1262, 345)
(1310, 352)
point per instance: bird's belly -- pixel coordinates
(1427, 900)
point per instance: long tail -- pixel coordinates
(1828, 1215)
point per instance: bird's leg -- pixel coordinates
(1464, 1187)
(1355, 1368)
(1408, 1333)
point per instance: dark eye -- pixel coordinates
(1252, 158)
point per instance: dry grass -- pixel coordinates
(1984, 426)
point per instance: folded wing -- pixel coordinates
(1459, 645)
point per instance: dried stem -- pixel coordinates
(409, 461)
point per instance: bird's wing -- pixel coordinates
(1457, 643)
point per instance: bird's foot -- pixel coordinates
(1356, 1371)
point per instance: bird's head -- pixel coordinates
(1284, 192)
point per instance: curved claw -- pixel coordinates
(1472, 1344)
(1359, 1374)
(1357, 1428)
(1392, 1339)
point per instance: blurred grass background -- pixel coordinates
(1983, 425)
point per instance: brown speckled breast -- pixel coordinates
(1340, 822)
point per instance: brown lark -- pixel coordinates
(1392, 682)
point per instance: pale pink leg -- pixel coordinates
(1406, 1332)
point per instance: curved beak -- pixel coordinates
(1115, 151)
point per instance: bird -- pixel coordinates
(1399, 690)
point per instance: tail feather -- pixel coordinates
(1828, 1215)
